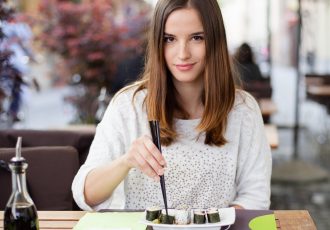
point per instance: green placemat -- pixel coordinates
(263, 222)
(111, 220)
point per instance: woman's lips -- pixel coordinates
(184, 67)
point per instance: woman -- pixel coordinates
(214, 150)
(248, 69)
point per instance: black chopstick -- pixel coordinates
(155, 133)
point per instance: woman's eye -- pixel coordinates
(168, 39)
(198, 38)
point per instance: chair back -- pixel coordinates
(34, 138)
(49, 176)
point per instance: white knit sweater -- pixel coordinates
(197, 175)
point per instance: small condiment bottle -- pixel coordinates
(20, 212)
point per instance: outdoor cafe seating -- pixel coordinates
(262, 92)
(58, 164)
(54, 155)
(318, 89)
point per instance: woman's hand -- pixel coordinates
(145, 156)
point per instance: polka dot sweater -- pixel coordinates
(197, 175)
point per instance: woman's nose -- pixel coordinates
(184, 51)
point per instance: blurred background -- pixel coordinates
(62, 61)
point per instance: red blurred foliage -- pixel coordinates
(91, 43)
(86, 36)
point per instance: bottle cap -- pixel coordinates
(18, 157)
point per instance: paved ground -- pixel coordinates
(315, 197)
(46, 109)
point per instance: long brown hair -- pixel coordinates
(219, 89)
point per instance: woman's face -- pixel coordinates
(184, 46)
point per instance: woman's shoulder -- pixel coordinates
(244, 101)
(129, 96)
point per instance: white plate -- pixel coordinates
(227, 217)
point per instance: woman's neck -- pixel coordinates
(189, 99)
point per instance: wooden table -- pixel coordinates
(267, 107)
(272, 135)
(309, 81)
(320, 94)
(294, 220)
(84, 128)
(54, 219)
(317, 79)
(285, 219)
(319, 90)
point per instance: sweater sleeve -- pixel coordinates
(108, 144)
(254, 161)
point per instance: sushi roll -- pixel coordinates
(152, 213)
(213, 215)
(167, 219)
(182, 215)
(199, 216)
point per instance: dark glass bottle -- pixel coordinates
(20, 212)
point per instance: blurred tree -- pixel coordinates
(87, 36)
(11, 79)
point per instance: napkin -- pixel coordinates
(111, 221)
(263, 222)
